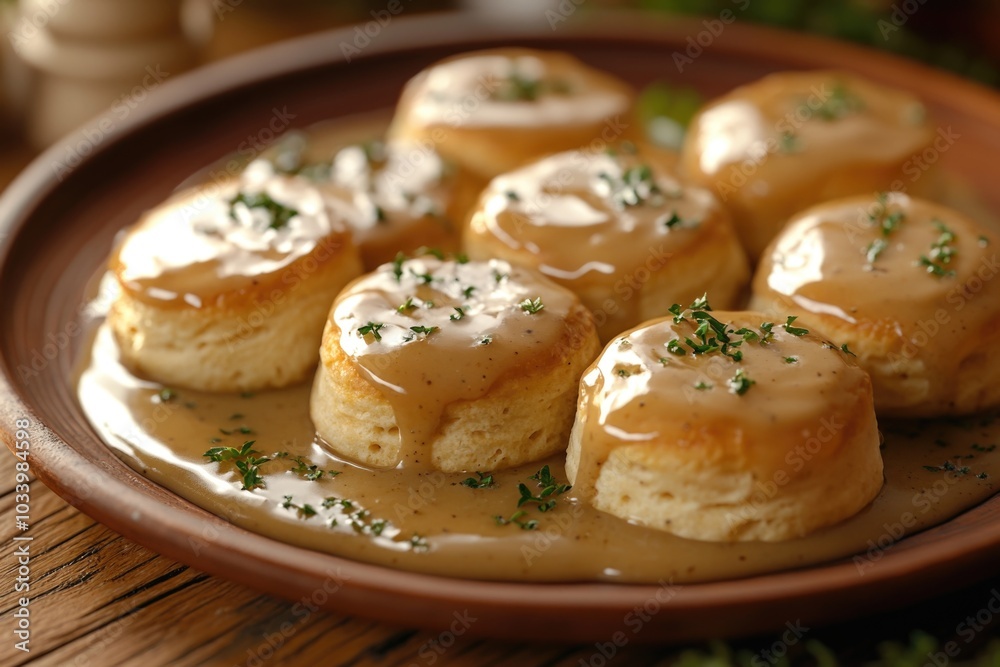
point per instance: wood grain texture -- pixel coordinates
(100, 600)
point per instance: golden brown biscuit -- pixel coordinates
(908, 284)
(451, 366)
(781, 144)
(720, 426)
(616, 227)
(491, 111)
(398, 197)
(225, 287)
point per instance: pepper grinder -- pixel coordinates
(72, 60)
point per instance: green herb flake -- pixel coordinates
(795, 331)
(485, 481)
(789, 143)
(371, 328)
(279, 214)
(841, 103)
(532, 306)
(941, 253)
(166, 395)
(739, 384)
(245, 460)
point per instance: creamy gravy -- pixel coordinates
(790, 140)
(640, 392)
(623, 206)
(453, 525)
(224, 241)
(446, 331)
(430, 522)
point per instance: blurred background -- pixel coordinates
(65, 61)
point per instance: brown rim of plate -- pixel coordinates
(44, 261)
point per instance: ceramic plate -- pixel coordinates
(59, 219)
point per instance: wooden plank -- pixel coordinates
(98, 599)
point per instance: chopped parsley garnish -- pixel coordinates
(397, 266)
(485, 481)
(795, 331)
(513, 196)
(407, 305)
(711, 335)
(244, 459)
(739, 384)
(458, 314)
(278, 213)
(499, 277)
(517, 519)
(486, 340)
(549, 486)
(437, 253)
(841, 103)
(948, 466)
(635, 187)
(427, 331)
(673, 220)
(166, 395)
(306, 510)
(371, 328)
(702, 386)
(789, 143)
(467, 292)
(791, 360)
(874, 249)
(886, 222)
(423, 278)
(520, 88)
(532, 306)
(306, 470)
(847, 350)
(941, 253)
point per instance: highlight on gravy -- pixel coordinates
(462, 419)
(451, 365)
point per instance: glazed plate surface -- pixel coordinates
(60, 217)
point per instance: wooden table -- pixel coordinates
(98, 599)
